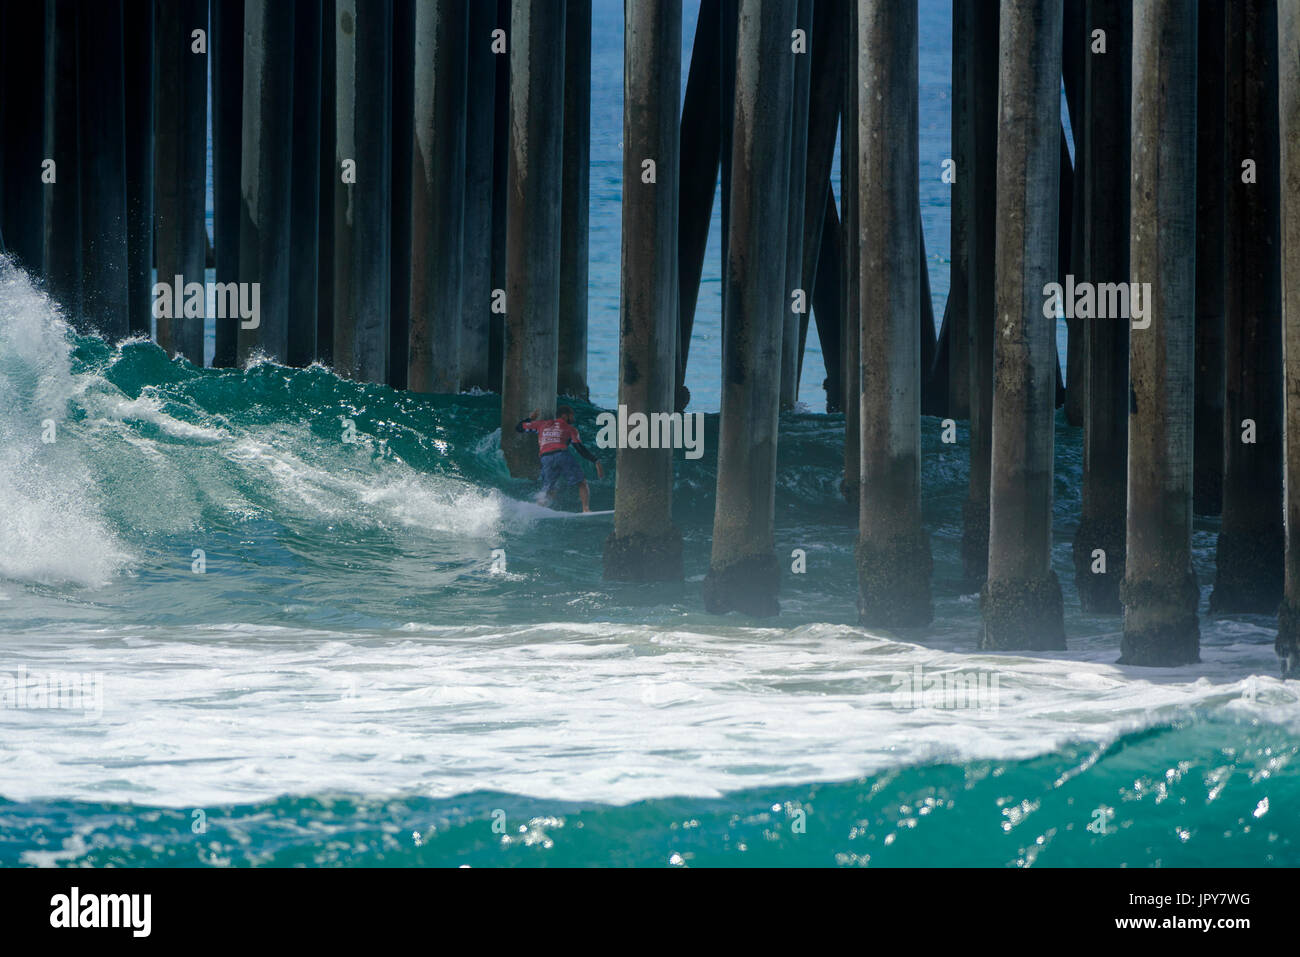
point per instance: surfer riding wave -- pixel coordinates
(554, 437)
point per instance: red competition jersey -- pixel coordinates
(553, 435)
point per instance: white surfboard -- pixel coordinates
(533, 510)
(555, 513)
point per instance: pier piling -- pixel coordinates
(850, 303)
(797, 304)
(137, 59)
(571, 363)
(980, 333)
(645, 545)
(102, 115)
(1075, 41)
(329, 178)
(1211, 175)
(1250, 553)
(826, 82)
(180, 164)
(437, 193)
(1288, 115)
(1159, 590)
(62, 198)
(1103, 261)
(500, 199)
(268, 143)
(701, 144)
(227, 46)
(727, 102)
(362, 35)
(1021, 600)
(533, 224)
(1288, 46)
(893, 550)
(743, 572)
(403, 200)
(304, 185)
(22, 117)
(480, 143)
(965, 54)
(23, 76)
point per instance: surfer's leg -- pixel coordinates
(550, 479)
(573, 472)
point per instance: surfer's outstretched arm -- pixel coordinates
(587, 454)
(521, 426)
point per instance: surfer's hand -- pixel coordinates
(600, 471)
(535, 414)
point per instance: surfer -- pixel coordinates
(554, 436)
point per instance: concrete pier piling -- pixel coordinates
(1207, 491)
(980, 333)
(743, 572)
(268, 144)
(571, 362)
(23, 78)
(965, 55)
(399, 223)
(304, 185)
(500, 198)
(726, 102)
(362, 34)
(893, 550)
(850, 329)
(102, 115)
(1288, 46)
(180, 163)
(329, 178)
(227, 48)
(798, 296)
(1075, 42)
(438, 192)
(826, 82)
(1159, 590)
(533, 224)
(1250, 549)
(1021, 600)
(480, 142)
(645, 545)
(701, 144)
(61, 213)
(137, 62)
(1103, 261)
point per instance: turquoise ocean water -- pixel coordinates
(287, 648)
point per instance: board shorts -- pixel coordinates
(560, 465)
